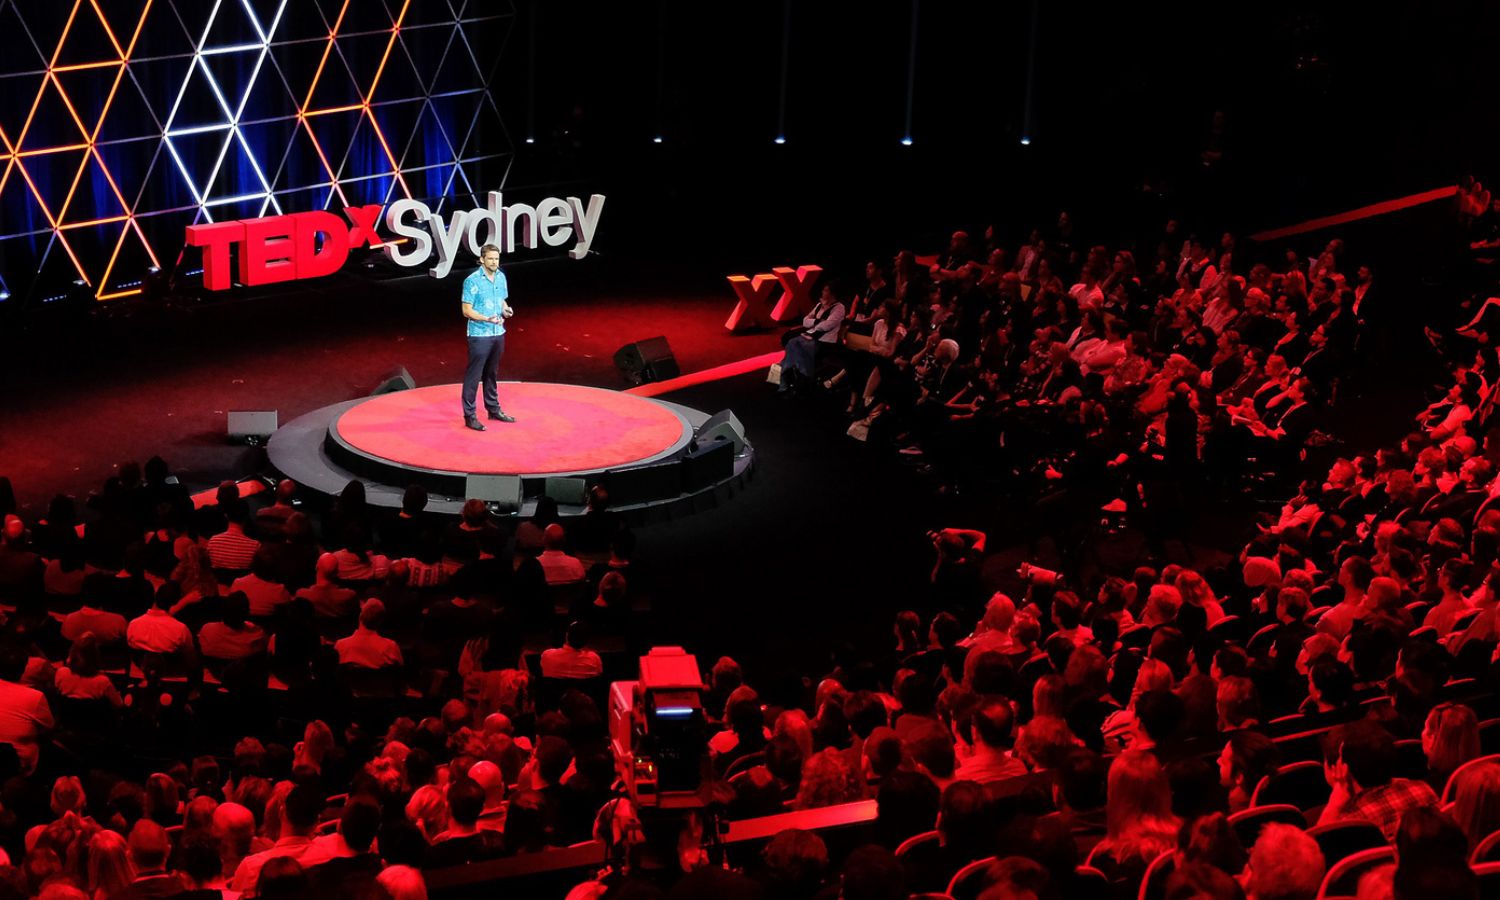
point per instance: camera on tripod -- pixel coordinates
(659, 732)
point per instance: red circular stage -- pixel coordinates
(559, 428)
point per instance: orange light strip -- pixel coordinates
(68, 102)
(45, 150)
(132, 222)
(141, 235)
(389, 45)
(119, 51)
(63, 38)
(62, 211)
(79, 67)
(139, 27)
(10, 161)
(327, 49)
(335, 109)
(60, 224)
(312, 88)
(370, 96)
(395, 169)
(107, 220)
(53, 222)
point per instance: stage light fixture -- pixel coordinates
(906, 142)
(781, 140)
(656, 140)
(531, 140)
(1025, 142)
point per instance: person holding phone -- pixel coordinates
(485, 308)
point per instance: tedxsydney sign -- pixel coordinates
(312, 244)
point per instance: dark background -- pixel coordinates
(1327, 106)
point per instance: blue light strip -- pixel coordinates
(231, 115)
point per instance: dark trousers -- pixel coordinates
(484, 365)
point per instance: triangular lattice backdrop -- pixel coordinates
(121, 121)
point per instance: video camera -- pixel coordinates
(660, 733)
(1033, 574)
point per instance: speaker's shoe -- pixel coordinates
(500, 415)
(473, 423)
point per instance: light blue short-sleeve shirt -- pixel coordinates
(488, 299)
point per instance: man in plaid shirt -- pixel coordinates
(1359, 760)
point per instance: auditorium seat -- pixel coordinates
(1301, 784)
(1090, 884)
(374, 684)
(1411, 759)
(1451, 788)
(1341, 840)
(969, 882)
(1247, 823)
(1489, 736)
(1343, 877)
(1034, 668)
(745, 763)
(1313, 615)
(1465, 619)
(1261, 640)
(1489, 879)
(1154, 882)
(911, 844)
(1486, 851)
(1229, 628)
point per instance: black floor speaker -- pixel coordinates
(397, 379)
(647, 360)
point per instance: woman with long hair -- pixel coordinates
(194, 575)
(163, 800)
(908, 632)
(795, 724)
(1450, 738)
(1476, 802)
(828, 780)
(80, 678)
(1139, 825)
(1119, 727)
(1195, 591)
(109, 869)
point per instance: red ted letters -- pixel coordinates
(754, 308)
(283, 248)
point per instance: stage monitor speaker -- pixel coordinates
(397, 379)
(708, 465)
(644, 484)
(721, 426)
(648, 360)
(503, 491)
(567, 491)
(253, 425)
